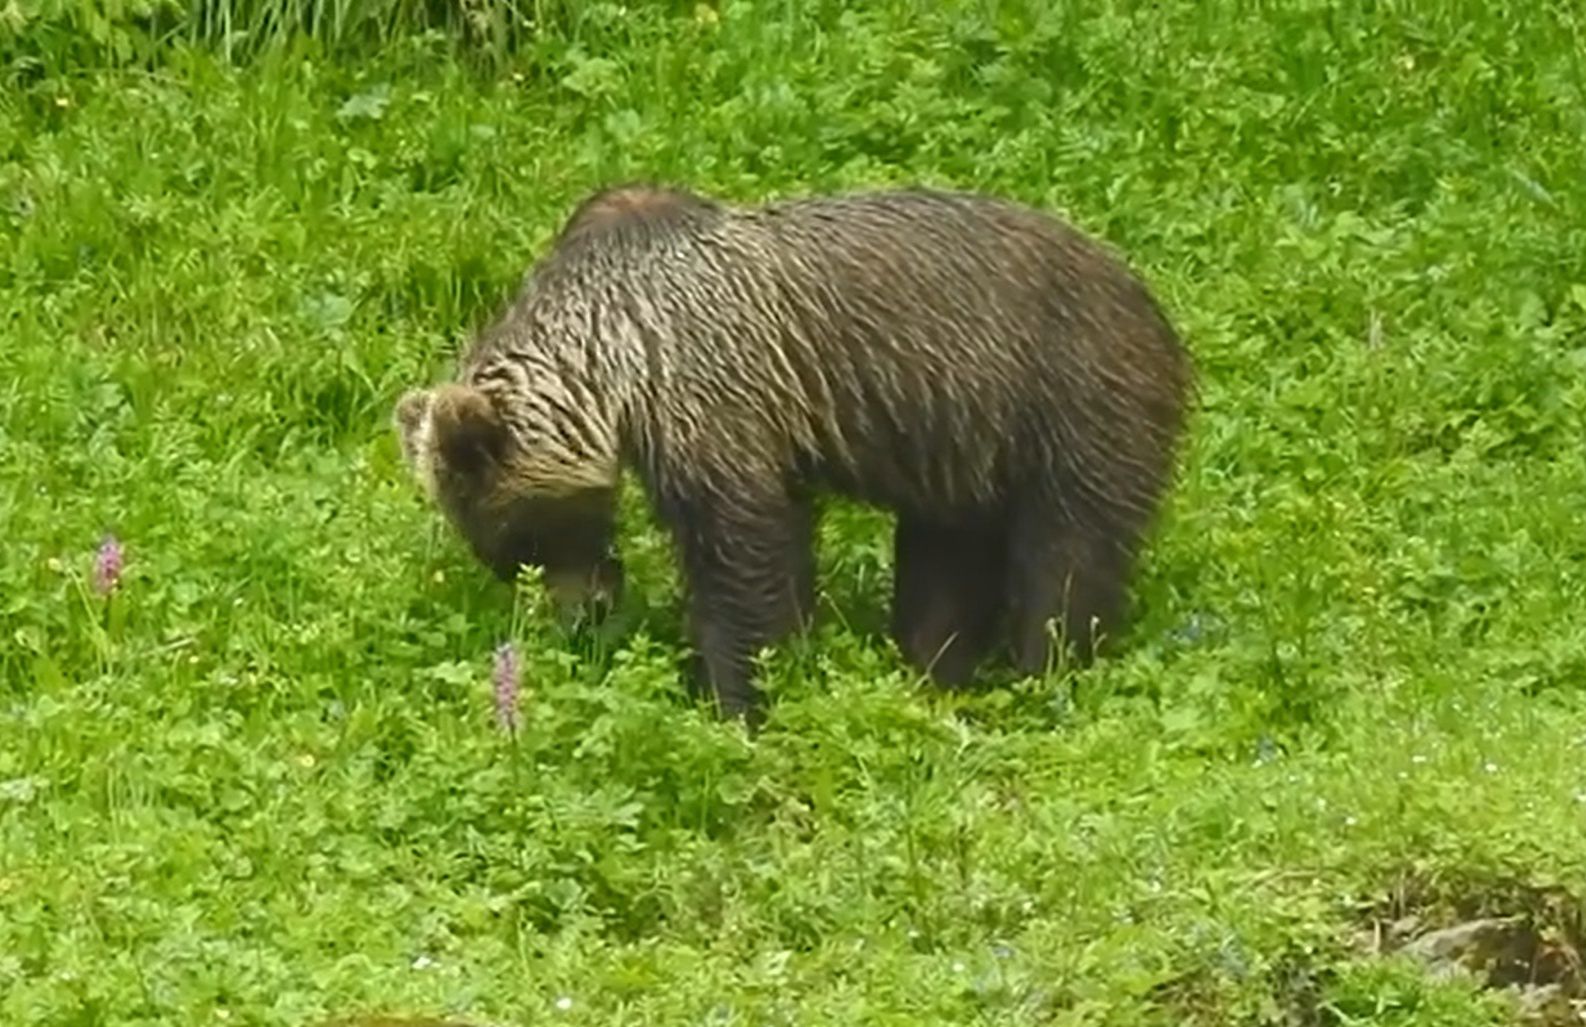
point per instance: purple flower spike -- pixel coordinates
(107, 566)
(507, 681)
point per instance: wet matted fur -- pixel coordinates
(998, 380)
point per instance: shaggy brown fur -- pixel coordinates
(995, 378)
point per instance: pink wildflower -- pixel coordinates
(107, 565)
(507, 681)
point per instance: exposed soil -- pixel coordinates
(1520, 939)
(1509, 935)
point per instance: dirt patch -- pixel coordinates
(1518, 939)
(1509, 935)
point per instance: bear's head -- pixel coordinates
(513, 505)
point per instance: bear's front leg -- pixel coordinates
(747, 564)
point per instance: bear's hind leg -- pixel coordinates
(1069, 567)
(948, 594)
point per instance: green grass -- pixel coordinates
(262, 784)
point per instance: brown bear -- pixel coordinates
(999, 381)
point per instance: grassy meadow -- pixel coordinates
(261, 782)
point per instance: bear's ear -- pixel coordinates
(467, 431)
(409, 416)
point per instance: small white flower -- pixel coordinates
(423, 963)
(958, 968)
(1418, 759)
(564, 1003)
(1350, 821)
(1491, 768)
